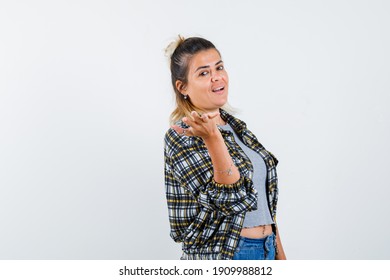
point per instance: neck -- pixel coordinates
(220, 121)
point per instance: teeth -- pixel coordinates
(217, 89)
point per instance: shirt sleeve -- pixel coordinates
(191, 168)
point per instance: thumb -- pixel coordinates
(178, 129)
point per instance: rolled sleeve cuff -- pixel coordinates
(230, 198)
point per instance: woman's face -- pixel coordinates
(208, 81)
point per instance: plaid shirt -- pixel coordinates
(204, 215)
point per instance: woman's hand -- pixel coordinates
(204, 125)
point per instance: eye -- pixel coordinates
(220, 67)
(204, 73)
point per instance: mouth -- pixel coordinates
(218, 89)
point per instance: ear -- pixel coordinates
(180, 87)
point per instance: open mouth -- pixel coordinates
(218, 89)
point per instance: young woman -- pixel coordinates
(221, 183)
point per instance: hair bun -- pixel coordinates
(170, 49)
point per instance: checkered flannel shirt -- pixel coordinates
(204, 215)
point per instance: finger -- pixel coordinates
(209, 116)
(197, 117)
(188, 121)
(179, 129)
(192, 121)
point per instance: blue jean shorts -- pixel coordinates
(255, 248)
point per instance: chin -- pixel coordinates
(223, 103)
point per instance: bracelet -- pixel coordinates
(228, 171)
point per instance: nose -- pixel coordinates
(215, 77)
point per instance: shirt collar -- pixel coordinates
(238, 125)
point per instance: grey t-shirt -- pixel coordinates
(262, 215)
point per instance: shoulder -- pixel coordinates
(172, 140)
(237, 124)
(177, 144)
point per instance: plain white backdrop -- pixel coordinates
(85, 97)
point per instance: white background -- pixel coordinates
(85, 97)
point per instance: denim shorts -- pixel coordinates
(255, 248)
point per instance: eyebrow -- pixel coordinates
(207, 66)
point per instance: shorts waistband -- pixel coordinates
(256, 240)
